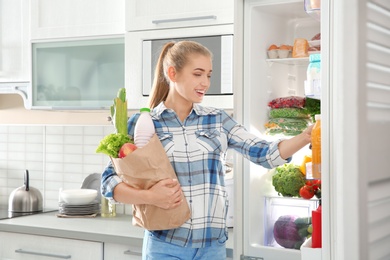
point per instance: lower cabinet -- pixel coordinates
(32, 247)
(119, 251)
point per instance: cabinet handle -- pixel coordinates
(194, 18)
(21, 251)
(129, 252)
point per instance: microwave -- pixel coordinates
(221, 46)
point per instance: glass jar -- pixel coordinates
(107, 209)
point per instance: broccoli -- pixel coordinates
(288, 179)
(112, 143)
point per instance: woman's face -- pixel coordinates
(193, 81)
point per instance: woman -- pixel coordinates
(196, 139)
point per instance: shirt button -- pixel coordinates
(189, 181)
(190, 201)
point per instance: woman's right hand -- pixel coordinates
(167, 194)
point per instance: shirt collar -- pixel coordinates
(196, 108)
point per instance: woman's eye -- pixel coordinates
(198, 75)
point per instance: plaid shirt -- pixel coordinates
(196, 149)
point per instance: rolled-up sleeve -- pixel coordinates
(109, 181)
(257, 150)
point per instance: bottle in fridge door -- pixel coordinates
(316, 148)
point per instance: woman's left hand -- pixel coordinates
(307, 133)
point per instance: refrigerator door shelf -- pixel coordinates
(309, 253)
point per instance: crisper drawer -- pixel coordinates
(123, 252)
(32, 247)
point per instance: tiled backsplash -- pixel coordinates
(56, 157)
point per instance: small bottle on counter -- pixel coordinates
(107, 209)
(144, 128)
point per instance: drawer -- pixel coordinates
(33, 247)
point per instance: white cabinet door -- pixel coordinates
(150, 14)
(31, 247)
(123, 252)
(72, 18)
(14, 42)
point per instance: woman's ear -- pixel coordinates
(172, 73)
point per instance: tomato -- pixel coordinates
(315, 184)
(306, 192)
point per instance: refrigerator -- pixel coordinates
(267, 22)
(355, 112)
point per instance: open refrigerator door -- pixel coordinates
(268, 76)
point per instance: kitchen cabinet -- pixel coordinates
(14, 41)
(52, 19)
(151, 15)
(123, 252)
(23, 246)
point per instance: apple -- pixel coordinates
(126, 149)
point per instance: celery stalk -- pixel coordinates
(120, 112)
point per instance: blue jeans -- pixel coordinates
(156, 249)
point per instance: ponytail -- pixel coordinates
(160, 87)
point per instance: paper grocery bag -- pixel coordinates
(143, 168)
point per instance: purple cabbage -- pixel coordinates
(286, 232)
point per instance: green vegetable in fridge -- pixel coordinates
(286, 132)
(286, 126)
(288, 113)
(312, 107)
(111, 144)
(288, 180)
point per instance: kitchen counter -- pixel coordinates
(107, 230)
(117, 229)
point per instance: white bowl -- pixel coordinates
(78, 196)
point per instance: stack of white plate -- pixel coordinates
(79, 210)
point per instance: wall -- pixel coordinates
(57, 156)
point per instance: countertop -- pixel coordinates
(117, 229)
(107, 230)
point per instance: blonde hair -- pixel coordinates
(174, 54)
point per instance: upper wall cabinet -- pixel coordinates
(73, 18)
(14, 48)
(151, 15)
